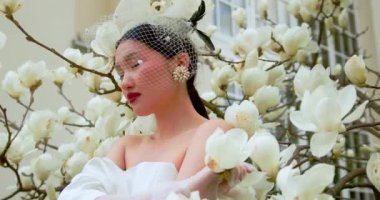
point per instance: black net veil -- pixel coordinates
(167, 37)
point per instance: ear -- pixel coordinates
(182, 59)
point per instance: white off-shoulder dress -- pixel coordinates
(101, 176)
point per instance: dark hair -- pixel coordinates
(168, 44)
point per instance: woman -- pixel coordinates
(157, 68)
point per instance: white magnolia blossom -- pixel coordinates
(42, 124)
(221, 77)
(342, 19)
(105, 40)
(98, 106)
(3, 39)
(20, 147)
(77, 57)
(227, 150)
(266, 152)
(266, 97)
(324, 111)
(250, 39)
(65, 151)
(373, 170)
(75, 164)
(356, 71)
(25, 172)
(339, 146)
(105, 146)
(92, 80)
(175, 196)
(297, 42)
(107, 85)
(87, 140)
(143, 125)
(44, 166)
(263, 8)
(309, 185)
(10, 6)
(240, 17)
(66, 116)
(309, 80)
(31, 73)
(245, 116)
(60, 75)
(12, 85)
(111, 124)
(252, 79)
(252, 59)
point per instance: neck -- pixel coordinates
(178, 117)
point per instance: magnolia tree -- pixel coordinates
(292, 115)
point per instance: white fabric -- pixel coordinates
(101, 176)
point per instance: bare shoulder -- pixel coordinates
(208, 127)
(117, 152)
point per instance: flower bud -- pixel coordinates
(44, 165)
(356, 71)
(10, 6)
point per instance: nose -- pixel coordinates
(127, 82)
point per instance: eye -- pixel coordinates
(138, 62)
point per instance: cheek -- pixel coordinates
(155, 77)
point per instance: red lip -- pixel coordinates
(132, 96)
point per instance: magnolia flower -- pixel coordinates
(337, 70)
(105, 40)
(252, 59)
(87, 140)
(77, 57)
(339, 146)
(107, 85)
(92, 80)
(266, 97)
(75, 164)
(245, 116)
(111, 124)
(263, 8)
(309, 80)
(60, 75)
(143, 125)
(221, 77)
(266, 152)
(97, 107)
(324, 111)
(44, 165)
(3, 39)
(373, 171)
(296, 39)
(104, 147)
(31, 74)
(175, 196)
(342, 19)
(42, 124)
(227, 150)
(25, 176)
(356, 70)
(239, 15)
(12, 85)
(309, 185)
(10, 6)
(66, 116)
(253, 79)
(250, 39)
(20, 147)
(67, 150)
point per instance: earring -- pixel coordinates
(181, 74)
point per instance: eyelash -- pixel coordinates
(138, 63)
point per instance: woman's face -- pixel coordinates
(147, 82)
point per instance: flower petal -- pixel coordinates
(347, 98)
(356, 114)
(302, 122)
(321, 143)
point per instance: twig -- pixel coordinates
(345, 179)
(363, 125)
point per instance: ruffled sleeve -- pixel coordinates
(100, 176)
